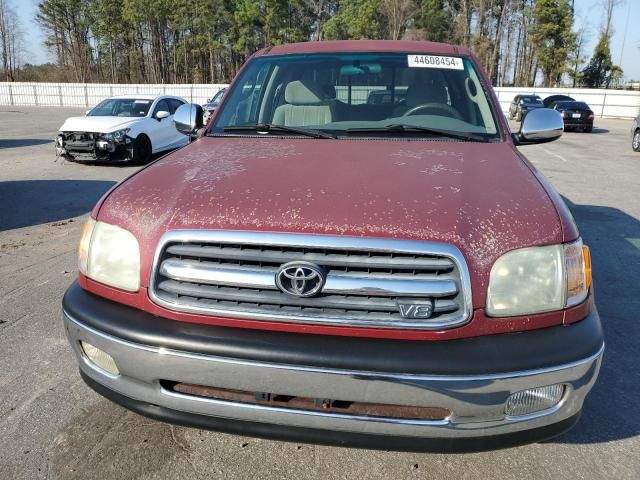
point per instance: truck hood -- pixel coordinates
(97, 124)
(481, 197)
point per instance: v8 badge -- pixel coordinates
(422, 310)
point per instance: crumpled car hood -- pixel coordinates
(481, 197)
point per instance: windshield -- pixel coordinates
(121, 107)
(531, 100)
(357, 93)
(217, 97)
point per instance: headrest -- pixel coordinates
(329, 91)
(426, 93)
(298, 93)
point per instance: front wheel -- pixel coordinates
(636, 141)
(141, 151)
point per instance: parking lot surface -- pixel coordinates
(53, 426)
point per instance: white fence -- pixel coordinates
(89, 94)
(605, 103)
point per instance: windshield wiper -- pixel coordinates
(404, 128)
(266, 128)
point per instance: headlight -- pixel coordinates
(118, 136)
(539, 279)
(110, 255)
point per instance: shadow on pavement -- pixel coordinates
(611, 410)
(25, 203)
(23, 142)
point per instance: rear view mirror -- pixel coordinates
(539, 126)
(188, 119)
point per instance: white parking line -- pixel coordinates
(549, 152)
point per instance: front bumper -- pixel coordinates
(151, 351)
(90, 148)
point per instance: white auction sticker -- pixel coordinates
(434, 61)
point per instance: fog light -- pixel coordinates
(533, 400)
(100, 358)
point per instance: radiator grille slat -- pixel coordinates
(278, 257)
(217, 273)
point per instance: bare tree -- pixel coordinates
(10, 40)
(609, 6)
(398, 14)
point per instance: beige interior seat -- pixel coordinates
(306, 104)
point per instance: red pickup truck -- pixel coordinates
(352, 251)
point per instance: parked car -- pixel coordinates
(213, 103)
(385, 97)
(635, 134)
(303, 271)
(550, 101)
(122, 128)
(521, 104)
(576, 115)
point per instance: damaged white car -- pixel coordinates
(123, 128)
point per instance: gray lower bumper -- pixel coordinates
(476, 401)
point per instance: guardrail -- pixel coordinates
(605, 103)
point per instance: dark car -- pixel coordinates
(635, 134)
(212, 103)
(576, 115)
(386, 97)
(521, 104)
(551, 101)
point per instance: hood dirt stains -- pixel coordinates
(98, 442)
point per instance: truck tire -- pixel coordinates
(635, 144)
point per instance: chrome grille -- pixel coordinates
(232, 274)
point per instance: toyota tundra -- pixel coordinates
(322, 267)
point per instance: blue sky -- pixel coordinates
(588, 13)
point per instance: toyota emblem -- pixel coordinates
(300, 279)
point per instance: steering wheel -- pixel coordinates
(443, 107)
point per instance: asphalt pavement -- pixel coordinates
(53, 426)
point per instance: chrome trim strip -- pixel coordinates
(319, 241)
(388, 287)
(233, 277)
(343, 284)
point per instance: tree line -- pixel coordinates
(206, 41)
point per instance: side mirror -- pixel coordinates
(539, 126)
(188, 119)
(162, 114)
